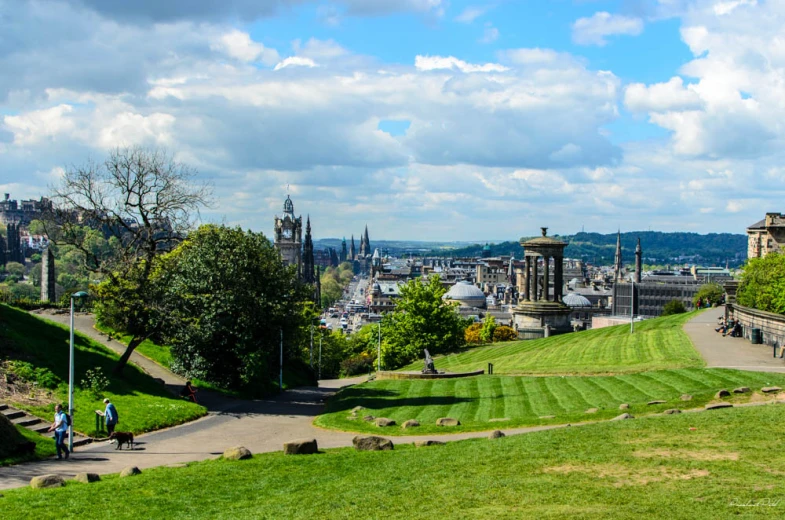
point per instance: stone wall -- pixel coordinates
(772, 325)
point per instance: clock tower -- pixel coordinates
(289, 236)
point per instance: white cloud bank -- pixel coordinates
(595, 29)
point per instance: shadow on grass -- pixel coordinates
(376, 399)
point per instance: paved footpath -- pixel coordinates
(729, 352)
(264, 425)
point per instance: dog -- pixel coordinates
(122, 438)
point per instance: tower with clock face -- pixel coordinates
(289, 235)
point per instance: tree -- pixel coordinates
(488, 326)
(422, 319)
(762, 284)
(673, 307)
(228, 301)
(710, 291)
(16, 269)
(142, 203)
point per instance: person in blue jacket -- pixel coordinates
(110, 416)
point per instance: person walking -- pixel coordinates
(60, 427)
(110, 416)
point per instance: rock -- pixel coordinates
(672, 411)
(237, 453)
(770, 389)
(741, 390)
(722, 393)
(86, 478)
(716, 406)
(499, 419)
(447, 421)
(547, 417)
(658, 401)
(592, 410)
(624, 406)
(357, 409)
(130, 471)
(384, 421)
(686, 397)
(411, 423)
(300, 447)
(496, 434)
(369, 418)
(371, 443)
(622, 417)
(422, 444)
(47, 481)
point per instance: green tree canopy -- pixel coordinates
(228, 298)
(422, 319)
(673, 307)
(711, 291)
(763, 284)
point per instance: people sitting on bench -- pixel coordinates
(189, 392)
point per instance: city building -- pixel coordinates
(22, 212)
(766, 235)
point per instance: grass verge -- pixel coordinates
(143, 403)
(699, 466)
(657, 343)
(44, 448)
(490, 402)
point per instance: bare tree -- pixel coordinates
(144, 203)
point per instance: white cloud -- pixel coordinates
(451, 63)
(723, 8)
(662, 97)
(594, 30)
(295, 61)
(469, 14)
(490, 34)
(238, 45)
(34, 126)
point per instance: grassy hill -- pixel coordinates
(42, 348)
(656, 343)
(489, 402)
(700, 466)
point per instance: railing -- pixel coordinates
(771, 325)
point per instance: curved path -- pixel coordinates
(264, 425)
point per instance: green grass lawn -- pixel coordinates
(708, 465)
(525, 400)
(143, 404)
(656, 343)
(161, 354)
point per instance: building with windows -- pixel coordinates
(766, 235)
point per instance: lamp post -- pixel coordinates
(280, 366)
(379, 350)
(632, 308)
(80, 295)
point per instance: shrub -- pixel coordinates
(360, 364)
(673, 307)
(42, 377)
(95, 381)
(504, 333)
(488, 326)
(472, 333)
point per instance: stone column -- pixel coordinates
(48, 276)
(546, 277)
(528, 278)
(534, 279)
(558, 281)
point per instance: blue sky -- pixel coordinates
(425, 119)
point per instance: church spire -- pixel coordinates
(352, 251)
(617, 261)
(638, 262)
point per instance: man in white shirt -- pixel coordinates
(60, 427)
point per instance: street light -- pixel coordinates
(80, 295)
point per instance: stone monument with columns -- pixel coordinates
(540, 311)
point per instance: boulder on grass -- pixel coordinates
(384, 421)
(47, 481)
(622, 417)
(357, 409)
(770, 389)
(624, 406)
(592, 410)
(547, 417)
(300, 447)
(372, 443)
(130, 471)
(237, 453)
(658, 401)
(411, 423)
(672, 411)
(86, 478)
(422, 444)
(741, 390)
(447, 421)
(686, 397)
(369, 418)
(722, 393)
(717, 406)
(496, 434)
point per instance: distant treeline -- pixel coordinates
(658, 248)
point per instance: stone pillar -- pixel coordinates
(48, 276)
(546, 277)
(528, 278)
(534, 279)
(558, 278)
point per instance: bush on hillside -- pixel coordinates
(27, 372)
(360, 364)
(504, 333)
(673, 307)
(472, 333)
(763, 284)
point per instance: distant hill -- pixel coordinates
(658, 248)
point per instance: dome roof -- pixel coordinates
(576, 300)
(465, 292)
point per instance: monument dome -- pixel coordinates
(467, 294)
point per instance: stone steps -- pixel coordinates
(36, 424)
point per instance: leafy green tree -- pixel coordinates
(673, 307)
(711, 291)
(486, 331)
(763, 284)
(422, 319)
(228, 301)
(15, 269)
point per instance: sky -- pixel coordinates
(424, 119)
